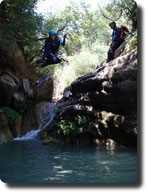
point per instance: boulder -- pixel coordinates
(5, 134)
(119, 128)
(29, 120)
(17, 81)
(7, 89)
(44, 88)
(18, 100)
(18, 126)
(26, 87)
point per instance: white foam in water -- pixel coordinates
(47, 114)
(30, 135)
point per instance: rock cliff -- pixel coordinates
(103, 104)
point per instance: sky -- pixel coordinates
(52, 6)
(48, 6)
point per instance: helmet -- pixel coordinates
(52, 32)
(112, 22)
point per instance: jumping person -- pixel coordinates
(117, 40)
(51, 49)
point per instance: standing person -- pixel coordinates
(51, 49)
(116, 41)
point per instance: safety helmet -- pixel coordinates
(52, 32)
(112, 22)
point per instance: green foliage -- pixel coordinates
(122, 10)
(11, 115)
(133, 42)
(81, 120)
(20, 23)
(73, 128)
(28, 104)
(80, 64)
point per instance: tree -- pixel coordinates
(21, 24)
(121, 8)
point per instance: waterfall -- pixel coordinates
(46, 115)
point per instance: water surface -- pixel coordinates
(28, 161)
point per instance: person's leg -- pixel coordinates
(110, 55)
(51, 60)
(111, 51)
(58, 60)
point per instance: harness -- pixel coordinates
(54, 45)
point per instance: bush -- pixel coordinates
(133, 42)
(80, 64)
(11, 115)
(66, 127)
(28, 104)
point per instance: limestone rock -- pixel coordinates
(27, 90)
(30, 120)
(18, 126)
(19, 100)
(7, 89)
(44, 88)
(5, 134)
(13, 62)
(38, 116)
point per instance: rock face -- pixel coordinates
(5, 134)
(108, 98)
(7, 89)
(37, 117)
(12, 60)
(27, 89)
(18, 126)
(44, 88)
(16, 94)
(19, 99)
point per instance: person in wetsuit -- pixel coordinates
(51, 49)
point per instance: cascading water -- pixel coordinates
(47, 113)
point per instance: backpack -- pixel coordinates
(124, 30)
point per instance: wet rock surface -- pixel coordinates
(44, 88)
(5, 133)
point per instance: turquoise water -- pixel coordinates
(31, 162)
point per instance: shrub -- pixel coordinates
(66, 127)
(79, 64)
(28, 104)
(133, 42)
(11, 115)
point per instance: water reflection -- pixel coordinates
(30, 161)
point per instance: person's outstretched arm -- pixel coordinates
(63, 42)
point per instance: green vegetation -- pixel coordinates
(133, 42)
(11, 115)
(79, 65)
(73, 128)
(28, 104)
(19, 23)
